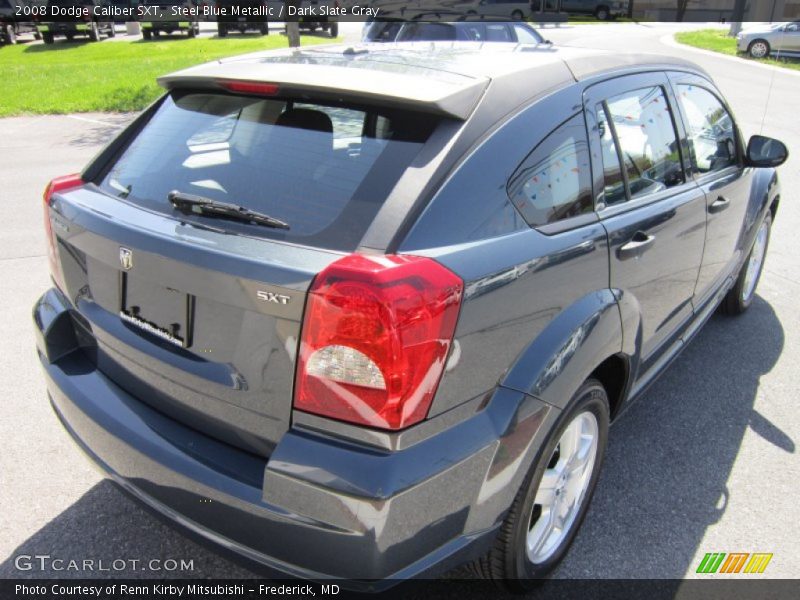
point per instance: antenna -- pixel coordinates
(771, 81)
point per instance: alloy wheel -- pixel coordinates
(563, 488)
(755, 263)
(758, 50)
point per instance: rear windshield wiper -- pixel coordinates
(199, 205)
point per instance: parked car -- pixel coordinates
(257, 20)
(321, 18)
(14, 24)
(602, 9)
(123, 8)
(352, 312)
(163, 19)
(516, 10)
(88, 23)
(325, 23)
(473, 31)
(765, 40)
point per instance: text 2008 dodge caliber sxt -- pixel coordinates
(379, 305)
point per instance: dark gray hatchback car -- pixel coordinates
(367, 312)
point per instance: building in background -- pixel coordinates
(716, 10)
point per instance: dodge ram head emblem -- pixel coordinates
(125, 258)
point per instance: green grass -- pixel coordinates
(68, 77)
(718, 40)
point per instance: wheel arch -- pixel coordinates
(614, 373)
(584, 339)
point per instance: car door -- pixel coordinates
(717, 165)
(790, 41)
(654, 214)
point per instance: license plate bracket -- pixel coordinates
(161, 311)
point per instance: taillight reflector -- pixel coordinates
(376, 335)
(59, 184)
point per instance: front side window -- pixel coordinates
(712, 138)
(641, 122)
(554, 182)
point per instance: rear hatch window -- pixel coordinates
(325, 170)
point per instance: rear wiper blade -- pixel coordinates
(199, 205)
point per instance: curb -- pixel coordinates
(669, 40)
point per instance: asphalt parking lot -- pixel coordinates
(706, 461)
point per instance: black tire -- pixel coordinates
(517, 15)
(736, 301)
(47, 37)
(191, 32)
(147, 34)
(69, 36)
(507, 563)
(222, 31)
(263, 29)
(94, 32)
(10, 35)
(333, 30)
(759, 49)
(111, 31)
(602, 13)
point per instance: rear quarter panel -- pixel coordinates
(533, 302)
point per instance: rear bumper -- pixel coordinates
(167, 25)
(318, 507)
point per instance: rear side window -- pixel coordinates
(325, 170)
(441, 32)
(712, 140)
(641, 124)
(497, 32)
(554, 182)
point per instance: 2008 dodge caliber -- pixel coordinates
(380, 304)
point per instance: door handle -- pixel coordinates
(637, 245)
(719, 204)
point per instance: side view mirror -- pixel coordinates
(766, 152)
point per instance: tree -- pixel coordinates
(292, 24)
(737, 17)
(681, 9)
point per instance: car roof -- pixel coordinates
(445, 78)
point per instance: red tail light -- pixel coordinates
(376, 335)
(59, 184)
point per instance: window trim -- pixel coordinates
(618, 149)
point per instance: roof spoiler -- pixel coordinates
(445, 94)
